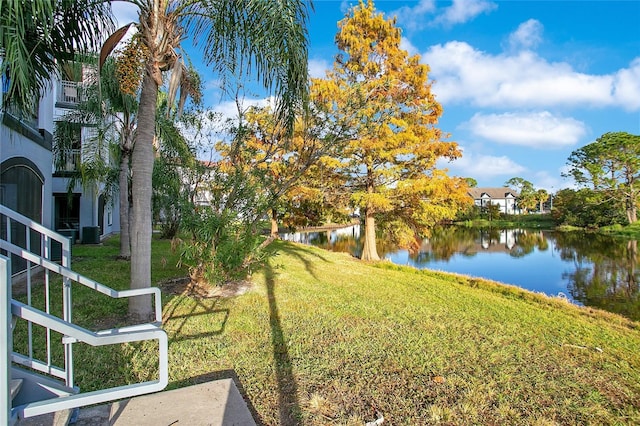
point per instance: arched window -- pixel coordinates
(21, 185)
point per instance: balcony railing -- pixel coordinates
(24, 117)
(69, 161)
(69, 92)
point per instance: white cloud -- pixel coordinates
(463, 74)
(346, 5)
(626, 86)
(483, 167)
(462, 11)
(124, 12)
(551, 183)
(527, 36)
(213, 84)
(405, 44)
(229, 109)
(318, 68)
(535, 130)
(412, 18)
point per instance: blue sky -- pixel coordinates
(522, 83)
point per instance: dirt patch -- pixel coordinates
(187, 287)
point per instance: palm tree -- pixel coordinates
(541, 196)
(110, 108)
(111, 114)
(36, 35)
(235, 37)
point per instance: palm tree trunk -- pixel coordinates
(123, 178)
(142, 168)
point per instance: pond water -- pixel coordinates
(589, 269)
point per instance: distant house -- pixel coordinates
(506, 198)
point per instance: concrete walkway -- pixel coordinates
(214, 403)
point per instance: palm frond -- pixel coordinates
(36, 35)
(267, 37)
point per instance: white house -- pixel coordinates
(25, 167)
(504, 197)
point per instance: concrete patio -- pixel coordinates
(213, 403)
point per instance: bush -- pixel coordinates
(222, 247)
(586, 208)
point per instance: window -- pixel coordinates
(21, 187)
(21, 184)
(67, 211)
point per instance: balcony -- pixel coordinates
(69, 93)
(68, 161)
(26, 118)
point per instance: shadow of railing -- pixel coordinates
(208, 309)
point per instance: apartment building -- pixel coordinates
(34, 177)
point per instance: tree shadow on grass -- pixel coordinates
(288, 404)
(302, 254)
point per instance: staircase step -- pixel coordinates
(16, 384)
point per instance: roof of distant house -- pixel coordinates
(476, 193)
(209, 164)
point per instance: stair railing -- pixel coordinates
(40, 258)
(5, 352)
(23, 231)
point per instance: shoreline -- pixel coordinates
(328, 227)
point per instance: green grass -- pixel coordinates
(629, 231)
(541, 221)
(322, 338)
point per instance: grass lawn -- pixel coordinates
(529, 221)
(631, 232)
(323, 338)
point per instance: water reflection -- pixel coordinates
(606, 272)
(594, 270)
(345, 239)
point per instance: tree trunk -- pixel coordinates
(274, 224)
(632, 215)
(369, 251)
(632, 261)
(141, 185)
(123, 178)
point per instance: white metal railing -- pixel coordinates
(19, 229)
(69, 160)
(69, 92)
(5, 352)
(40, 258)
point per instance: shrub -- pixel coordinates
(222, 247)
